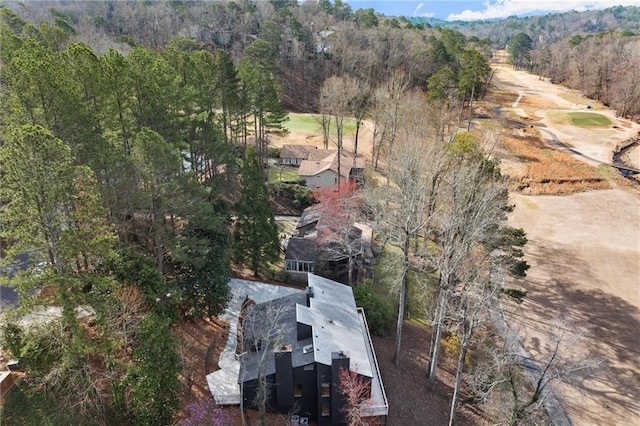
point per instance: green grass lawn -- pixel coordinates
(386, 272)
(307, 124)
(588, 119)
(583, 119)
(287, 174)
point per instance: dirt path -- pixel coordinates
(584, 252)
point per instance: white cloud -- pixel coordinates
(503, 8)
(424, 15)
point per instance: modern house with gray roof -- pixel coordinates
(320, 332)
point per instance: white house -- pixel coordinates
(323, 172)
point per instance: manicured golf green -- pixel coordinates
(588, 119)
(582, 119)
(302, 123)
(308, 124)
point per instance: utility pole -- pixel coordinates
(473, 92)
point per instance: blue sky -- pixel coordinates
(484, 9)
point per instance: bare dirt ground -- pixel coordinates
(584, 252)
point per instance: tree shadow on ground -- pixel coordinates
(565, 286)
(410, 400)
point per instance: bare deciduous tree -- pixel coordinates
(386, 113)
(128, 313)
(472, 204)
(517, 387)
(337, 231)
(262, 329)
(470, 312)
(341, 97)
(404, 208)
(359, 105)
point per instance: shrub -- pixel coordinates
(516, 294)
(296, 191)
(377, 311)
(273, 152)
(134, 267)
(12, 338)
(205, 413)
(451, 345)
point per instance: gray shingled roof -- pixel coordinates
(303, 249)
(335, 323)
(309, 215)
(296, 151)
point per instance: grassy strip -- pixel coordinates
(581, 119)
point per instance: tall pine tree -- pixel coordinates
(256, 233)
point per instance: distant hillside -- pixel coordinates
(546, 28)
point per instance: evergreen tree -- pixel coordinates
(50, 203)
(158, 164)
(154, 379)
(201, 252)
(474, 74)
(520, 50)
(256, 234)
(229, 88)
(269, 115)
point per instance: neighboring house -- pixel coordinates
(323, 172)
(324, 43)
(294, 155)
(300, 257)
(316, 247)
(320, 333)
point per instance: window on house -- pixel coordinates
(297, 390)
(324, 390)
(325, 410)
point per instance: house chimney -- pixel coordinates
(309, 296)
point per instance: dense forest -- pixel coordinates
(547, 28)
(133, 143)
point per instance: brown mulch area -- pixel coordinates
(410, 400)
(200, 343)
